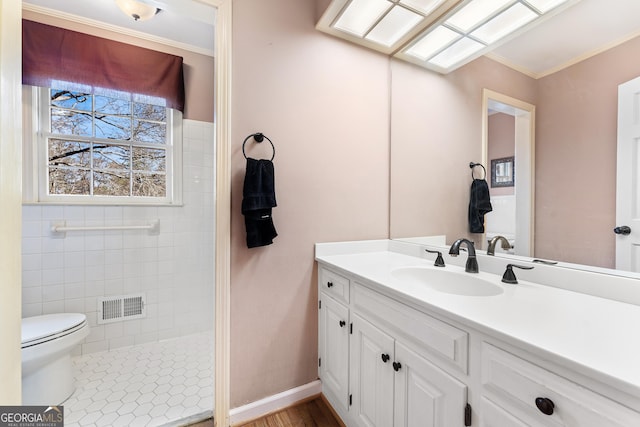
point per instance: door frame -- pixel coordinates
(11, 202)
(223, 72)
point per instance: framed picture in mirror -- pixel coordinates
(503, 172)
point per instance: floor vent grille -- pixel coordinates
(119, 308)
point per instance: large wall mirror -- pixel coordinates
(437, 130)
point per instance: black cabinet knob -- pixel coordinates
(385, 358)
(342, 323)
(545, 405)
(329, 284)
(397, 366)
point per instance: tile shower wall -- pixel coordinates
(173, 268)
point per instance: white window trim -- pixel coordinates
(35, 159)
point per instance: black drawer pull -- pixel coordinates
(385, 358)
(545, 405)
(397, 366)
(342, 323)
(329, 284)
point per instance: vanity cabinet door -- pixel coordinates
(333, 350)
(371, 376)
(425, 395)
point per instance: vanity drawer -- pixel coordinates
(334, 284)
(445, 342)
(519, 384)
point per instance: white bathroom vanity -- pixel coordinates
(397, 347)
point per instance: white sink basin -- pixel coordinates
(447, 281)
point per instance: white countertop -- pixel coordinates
(594, 336)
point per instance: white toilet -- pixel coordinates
(47, 343)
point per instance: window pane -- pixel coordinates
(68, 181)
(110, 157)
(112, 106)
(69, 153)
(149, 132)
(117, 164)
(113, 127)
(67, 122)
(150, 112)
(70, 100)
(147, 159)
(111, 183)
(149, 185)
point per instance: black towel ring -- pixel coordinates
(259, 137)
(472, 165)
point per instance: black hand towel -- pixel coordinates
(259, 186)
(258, 198)
(479, 205)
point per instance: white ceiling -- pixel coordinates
(183, 23)
(586, 28)
(583, 29)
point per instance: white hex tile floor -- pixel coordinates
(152, 384)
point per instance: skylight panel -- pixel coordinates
(432, 43)
(475, 12)
(507, 22)
(424, 6)
(456, 53)
(398, 22)
(361, 15)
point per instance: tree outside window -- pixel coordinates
(105, 145)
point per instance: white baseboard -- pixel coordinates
(270, 404)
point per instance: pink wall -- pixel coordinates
(436, 130)
(576, 139)
(198, 69)
(324, 104)
(501, 135)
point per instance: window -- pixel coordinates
(96, 145)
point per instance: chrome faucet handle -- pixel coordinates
(439, 260)
(509, 276)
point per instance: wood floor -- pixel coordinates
(313, 413)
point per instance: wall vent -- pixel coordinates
(122, 307)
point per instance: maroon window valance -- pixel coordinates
(55, 54)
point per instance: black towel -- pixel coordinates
(258, 198)
(479, 205)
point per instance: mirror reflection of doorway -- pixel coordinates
(501, 133)
(508, 150)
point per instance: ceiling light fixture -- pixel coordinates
(139, 11)
(441, 35)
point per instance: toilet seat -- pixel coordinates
(39, 329)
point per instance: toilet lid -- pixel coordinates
(39, 327)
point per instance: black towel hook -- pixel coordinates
(472, 165)
(258, 137)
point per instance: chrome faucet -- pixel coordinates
(472, 262)
(491, 250)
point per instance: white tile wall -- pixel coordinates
(173, 268)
